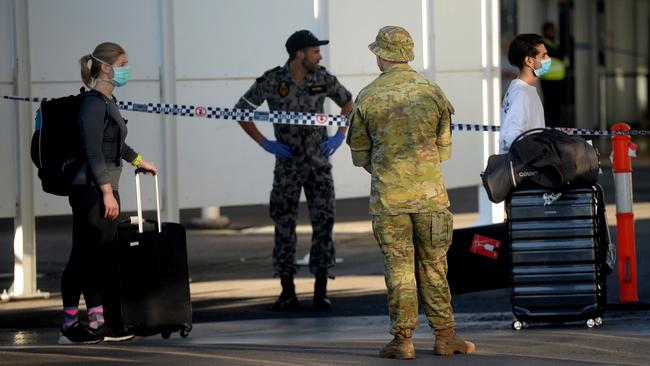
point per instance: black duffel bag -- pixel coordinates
(544, 158)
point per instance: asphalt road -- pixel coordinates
(240, 328)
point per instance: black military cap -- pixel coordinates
(302, 39)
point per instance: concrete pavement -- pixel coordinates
(622, 340)
(232, 291)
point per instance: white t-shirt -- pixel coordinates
(522, 111)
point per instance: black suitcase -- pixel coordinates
(151, 294)
(558, 243)
(479, 259)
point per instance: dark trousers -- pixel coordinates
(288, 181)
(91, 235)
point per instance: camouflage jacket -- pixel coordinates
(401, 125)
(282, 93)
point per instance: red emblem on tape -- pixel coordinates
(200, 111)
(485, 246)
(321, 119)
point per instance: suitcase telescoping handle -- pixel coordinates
(139, 198)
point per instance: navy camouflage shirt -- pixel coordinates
(282, 93)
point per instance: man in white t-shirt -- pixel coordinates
(522, 108)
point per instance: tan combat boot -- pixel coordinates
(448, 343)
(401, 347)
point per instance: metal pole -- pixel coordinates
(168, 95)
(24, 285)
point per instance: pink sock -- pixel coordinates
(70, 316)
(96, 317)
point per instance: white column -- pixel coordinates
(491, 89)
(322, 30)
(428, 39)
(586, 65)
(24, 285)
(621, 44)
(641, 46)
(169, 170)
(211, 218)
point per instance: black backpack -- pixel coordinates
(56, 143)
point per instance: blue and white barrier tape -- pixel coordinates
(278, 117)
(298, 118)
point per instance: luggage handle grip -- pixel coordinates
(526, 133)
(144, 171)
(139, 198)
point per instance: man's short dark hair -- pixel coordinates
(522, 46)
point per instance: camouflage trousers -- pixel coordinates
(415, 263)
(288, 181)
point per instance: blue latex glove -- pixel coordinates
(276, 148)
(329, 146)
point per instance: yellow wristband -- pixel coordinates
(137, 161)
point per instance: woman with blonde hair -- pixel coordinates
(94, 196)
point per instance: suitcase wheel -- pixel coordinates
(184, 332)
(595, 322)
(519, 325)
(166, 335)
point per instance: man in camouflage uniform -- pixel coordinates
(302, 161)
(400, 131)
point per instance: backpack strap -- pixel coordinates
(98, 94)
(106, 115)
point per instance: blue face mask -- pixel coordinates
(121, 75)
(543, 69)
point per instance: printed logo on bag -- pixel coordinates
(485, 246)
(321, 119)
(528, 174)
(549, 198)
(134, 243)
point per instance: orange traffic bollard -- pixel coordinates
(622, 166)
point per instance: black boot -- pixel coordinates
(287, 299)
(321, 301)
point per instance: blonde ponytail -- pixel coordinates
(86, 75)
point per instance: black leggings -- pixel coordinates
(92, 235)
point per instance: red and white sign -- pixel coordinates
(200, 111)
(321, 119)
(485, 246)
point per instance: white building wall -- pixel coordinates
(221, 47)
(457, 56)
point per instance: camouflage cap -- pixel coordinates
(393, 44)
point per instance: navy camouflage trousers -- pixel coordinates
(288, 181)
